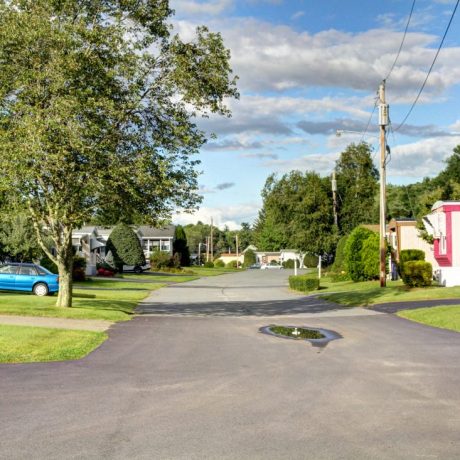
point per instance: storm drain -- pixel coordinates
(318, 337)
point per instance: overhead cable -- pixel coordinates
(402, 41)
(431, 67)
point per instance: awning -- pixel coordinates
(94, 244)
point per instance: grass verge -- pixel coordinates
(111, 305)
(202, 271)
(24, 344)
(445, 317)
(369, 292)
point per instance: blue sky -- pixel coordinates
(307, 68)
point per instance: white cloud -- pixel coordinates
(277, 57)
(424, 158)
(297, 15)
(232, 216)
(197, 8)
(321, 163)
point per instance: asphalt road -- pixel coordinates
(192, 378)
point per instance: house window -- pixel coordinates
(165, 245)
(442, 245)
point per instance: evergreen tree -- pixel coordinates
(180, 247)
(125, 247)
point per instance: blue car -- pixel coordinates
(28, 277)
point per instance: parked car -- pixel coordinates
(256, 266)
(270, 266)
(136, 268)
(28, 277)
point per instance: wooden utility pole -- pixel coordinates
(207, 249)
(383, 122)
(334, 198)
(211, 242)
(237, 256)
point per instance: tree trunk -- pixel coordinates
(65, 267)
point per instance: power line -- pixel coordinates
(431, 67)
(402, 41)
(369, 121)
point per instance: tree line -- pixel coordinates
(297, 210)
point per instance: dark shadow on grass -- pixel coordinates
(258, 308)
(108, 305)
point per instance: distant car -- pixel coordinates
(136, 268)
(255, 266)
(28, 277)
(269, 267)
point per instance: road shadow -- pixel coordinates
(293, 306)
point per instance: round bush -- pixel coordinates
(209, 264)
(310, 261)
(219, 263)
(289, 263)
(353, 257)
(232, 264)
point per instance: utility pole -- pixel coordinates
(383, 122)
(211, 242)
(207, 249)
(237, 256)
(334, 198)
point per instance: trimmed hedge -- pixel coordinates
(219, 263)
(231, 264)
(417, 273)
(209, 264)
(303, 283)
(339, 261)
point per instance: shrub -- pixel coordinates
(408, 255)
(231, 264)
(417, 273)
(249, 258)
(219, 263)
(125, 247)
(289, 263)
(160, 260)
(79, 266)
(411, 254)
(354, 262)
(339, 261)
(310, 261)
(209, 264)
(370, 254)
(303, 283)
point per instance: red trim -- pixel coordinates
(445, 260)
(449, 207)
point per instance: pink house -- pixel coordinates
(443, 223)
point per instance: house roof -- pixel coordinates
(86, 230)
(147, 231)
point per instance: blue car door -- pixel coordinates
(25, 278)
(7, 276)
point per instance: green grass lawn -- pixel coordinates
(202, 271)
(445, 317)
(140, 279)
(112, 305)
(23, 344)
(369, 292)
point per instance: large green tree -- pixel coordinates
(357, 187)
(97, 107)
(296, 214)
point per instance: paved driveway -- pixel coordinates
(192, 378)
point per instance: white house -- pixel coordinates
(443, 224)
(90, 242)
